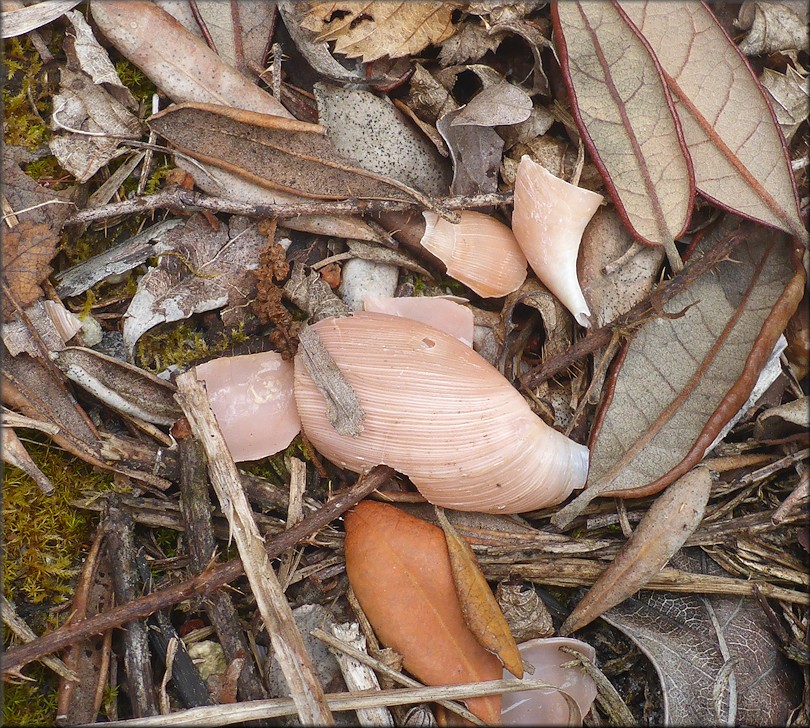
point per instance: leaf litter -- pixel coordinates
(218, 285)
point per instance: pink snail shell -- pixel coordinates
(438, 412)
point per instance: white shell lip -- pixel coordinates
(480, 252)
(550, 216)
(438, 412)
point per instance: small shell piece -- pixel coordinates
(479, 251)
(549, 218)
(66, 323)
(252, 398)
(436, 311)
(438, 412)
(548, 707)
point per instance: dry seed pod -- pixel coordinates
(479, 251)
(438, 412)
(549, 218)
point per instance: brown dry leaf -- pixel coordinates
(626, 118)
(662, 531)
(27, 251)
(240, 31)
(739, 157)
(716, 657)
(273, 152)
(178, 62)
(683, 377)
(312, 294)
(481, 610)
(376, 29)
(476, 152)
(399, 569)
(14, 453)
(773, 26)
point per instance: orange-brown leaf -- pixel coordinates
(399, 569)
(478, 604)
(27, 252)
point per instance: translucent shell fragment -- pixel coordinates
(438, 412)
(549, 218)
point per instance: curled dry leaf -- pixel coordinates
(684, 376)
(662, 531)
(739, 156)
(773, 27)
(788, 94)
(625, 115)
(177, 61)
(376, 29)
(399, 569)
(438, 412)
(478, 604)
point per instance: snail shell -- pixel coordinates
(438, 412)
(549, 218)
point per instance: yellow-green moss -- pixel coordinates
(26, 96)
(31, 703)
(44, 535)
(182, 345)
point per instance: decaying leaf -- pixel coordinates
(178, 62)
(343, 406)
(29, 201)
(312, 294)
(376, 29)
(123, 387)
(205, 270)
(524, 611)
(626, 117)
(371, 132)
(739, 157)
(478, 604)
(788, 94)
(400, 571)
(45, 326)
(14, 453)
(273, 152)
(25, 19)
(716, 658)
(662, 531)
(773, 26)
(683, 376)
(27, 252)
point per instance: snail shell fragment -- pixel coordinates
(479, 251)
(438, 412)
(549, 218)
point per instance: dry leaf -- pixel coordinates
(626, 118)
(662, 531)
(46, 322)
(524, 611)
(788, 94)
(27, 251)
(400, 571)
(14, 453)
(716, 657)
(240, 31)
(370, 132)
(682, 378)
(205, 270)
(312, 294)
(273, 152)
(178, 62)
(773, 27)
(376, 29)
(481, 610)
(500, 104)
(24, 20)
(739, 157)
(469, 44)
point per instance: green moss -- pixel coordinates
(31, 703)
(133, 78)
(26, 96)
(181, 344)
(44, 534)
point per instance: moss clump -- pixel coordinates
(26, 96)
(182, 345)
(44, 535)
(31, 703)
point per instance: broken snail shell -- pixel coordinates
(479, 251)
(438, 412)
(549, 218)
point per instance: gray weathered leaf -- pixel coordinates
(700, 646)
(25, 19)
(788, 93)
(773, 26)
(476, 152)
(497, 105)
(205, 270)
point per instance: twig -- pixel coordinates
(215, 577)
(190, 201)
(276, 613)
(220, 715)
(635, 317)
